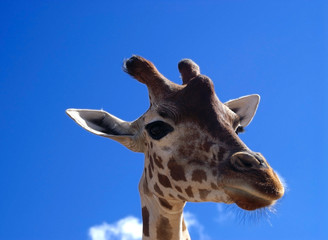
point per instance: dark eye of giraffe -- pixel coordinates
(158, 129)
(240, 129)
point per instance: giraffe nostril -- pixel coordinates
(244, 161)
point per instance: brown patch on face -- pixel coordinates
(189, 192)
(221, 153)
(163, 229)
(207, 145)
(215, 157)
(177, 171)
(184, 151)
(203, 193)
(199, 176)
(158, 161)
(196, 162)
(158, 190)
(178, 189)
(164, 180)
(214, 172)
(165, 203)
(145, 220)
(213, 163)
(166, 148)
(214, 186)
(230, 141)
(151, 144)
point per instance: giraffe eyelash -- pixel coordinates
(240, 129)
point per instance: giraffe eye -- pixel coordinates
(158, 129)
(240, 129)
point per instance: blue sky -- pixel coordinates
(58, 181)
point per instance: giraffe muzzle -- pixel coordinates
(250, 181)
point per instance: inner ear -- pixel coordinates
(100, 122)
(106, 125)
(245, 107)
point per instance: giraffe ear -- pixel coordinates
(104, 124)
(245, 107)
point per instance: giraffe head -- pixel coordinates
(190, 141)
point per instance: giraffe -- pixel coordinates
(191, 146)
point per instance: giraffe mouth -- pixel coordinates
(248, 199)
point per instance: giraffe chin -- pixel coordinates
(247, 200)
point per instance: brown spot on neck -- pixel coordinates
(158, 190)
(163, 229)
(165, 203)
(203, 193)
(182, 198)
(178, 189)
(189, 192)
(145, 220)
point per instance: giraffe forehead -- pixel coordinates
(200, 106)
(195, 128)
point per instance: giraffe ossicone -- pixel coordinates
(191, 146)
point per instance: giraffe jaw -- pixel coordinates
(250, 199)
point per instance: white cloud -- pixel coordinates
(129, 228)
(193, 225)
(190, 220)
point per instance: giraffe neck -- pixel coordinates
(160, 223)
